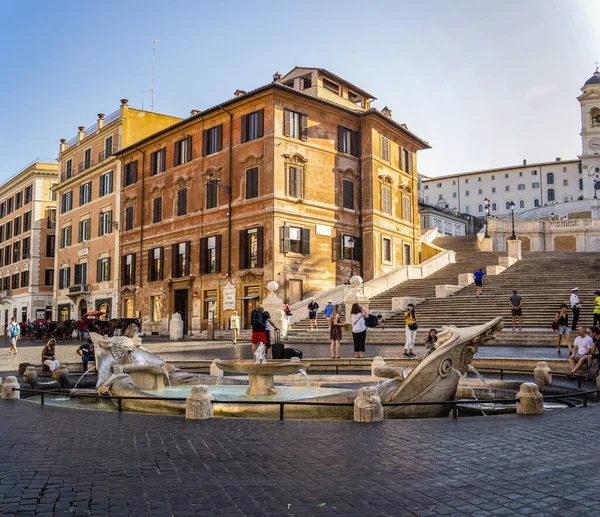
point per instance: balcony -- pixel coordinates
(107, 153)
(77, 289)
(5, 295)
(85, 165)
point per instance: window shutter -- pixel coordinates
(348, 201)
(205, 134)
(110, 182)
(77, 279)
(99, 270)
(153, 163)
(189, 148)
(69, 232)
(260, 252)
(109, 221)
(150, 264)
(217, 253)
(340, 147)
(163, 152)
(402, 165)
(355, 143)
(219, 137)
(300, 182)
(203, 253)
(80, 234)
(81, 194)
(244, 128)
(410, 163)
(177, 154)
(174, 261)
(303, 127)
(188, 258)
(305, 241)
(133, 261)
(285, 239)
(286, 123)
(261, 123)
(134, 172)
(108, 275)
(243, 249)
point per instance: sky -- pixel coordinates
(487, 83)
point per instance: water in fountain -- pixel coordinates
(84, 374)
(490, 391)
(306, 379)
(466, 381)
(260, 355)
(164, 369)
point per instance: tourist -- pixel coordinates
(582, 348)
(359, 330)
(595, 354)
(410, 321)
(49, 356)
(313, 307)
(597, 309)
(268, 326)
(575, 306)
(257, 322)
(328, 310)
(380, 321)
(561, 323)
(80, 329)
(430, 342)
(234, 325)
(516, 304)
(335, 333)
(14, 332)
(478, 276)
(288, 315)
(87, 353)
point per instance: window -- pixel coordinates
(183, 151)
(521, 186)
(8, 255)
(295, 125)
(296, 182)
(580, 183)
(564, 169)
(386, 200)
(156, 260)
(18, 200)
(182, 201)
(535, 184)
(131, 173)
(348, 194)
(210, 302)
(565, 183)
(351, 247)
(49, 277)
(6, 284)
(507, 188)
(467, 209)
(16, 251)
(438, 185)
(466, 180)
(521, 174)
(253, 126)
(479, 191)
(252, 183)
(493, 190)
(106, 183)
(521, 204)
(128, 269)
(251, 248)
(506, 176)
(50, 245)
(550, 194)
(211, 195)
(69, 168)
(28, 194)
(85, 193)
(453, 194)
(534, 173)
(493, 177)
(426, 187)
(156, 308)
(17, 226)
(87, 158)
(550, 178)
(348, 141)
(8, 230)
(157, 210)
(494, 207)
(536, 203)
(295, 240)
(467, 193)
(129, 218)
(85, 230)
(181, 259)
(24, 278)
(480, 208)
(479, 178)
(212, 140)
(105, 223)
(331, 86)
(3, 209)
(15, 281)
(385, 149)
(507, 205)
(65, 237)
(27, 221)
(103, 269)
(80, 274)
(2, 233)
(210, 255)
(406, 212)
(158, 161)
(386, 249)
(108, 147)
(306, 82)
(66, 202)
(9, 205)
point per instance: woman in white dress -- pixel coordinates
(234, 325)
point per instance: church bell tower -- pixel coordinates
(590, 135)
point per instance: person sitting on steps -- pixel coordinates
(582, 348)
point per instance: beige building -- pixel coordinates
(27, 226)
(86, 276)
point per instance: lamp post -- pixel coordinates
(351, 245)
(486, 207)
(513, 237)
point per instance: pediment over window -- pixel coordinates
(347, 172)
(129, 200)
(250, 275)
(213, 172)
(252, 160)
(405, 187)
(182, 181)
(385, 179)
(157, 190)
(295, 159)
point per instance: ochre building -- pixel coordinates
(88, 199)
(298, 181)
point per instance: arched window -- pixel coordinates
(521, 204)
(550, 178)
(550, 194)
(507, 205)
(536, 203)
(467, 210)
(565, 199)
(494, 207)
(580, 183)
(480, 209)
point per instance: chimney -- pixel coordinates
(387, 112)
(239, 93)
(558, 159)
(81, 134)
(63, 144)
(124, 102)
(277, 76)
(524, 162)
(100, 122)
(194, 112)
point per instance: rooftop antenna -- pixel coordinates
(154, 42)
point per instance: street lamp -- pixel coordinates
(351, 245)
(513, 237)
(486, 207)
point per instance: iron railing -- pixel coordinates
(94, 127)
(79, 289)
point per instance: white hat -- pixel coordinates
(575, 289)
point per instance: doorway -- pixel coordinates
(406, 255)
(82, 308)
(294, 291)
(181, 306)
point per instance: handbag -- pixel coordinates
(413, 326)
(555, 325)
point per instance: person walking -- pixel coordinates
(359, 330)
(234, 325)
(258, 323)
(516, 304)
(410, 321)
(575, 306)
(597, 309)
(430, 342)
(335, 333)
(313, 307)
(288, 315)
(478, 277)
(562, 327)
(49, 356)
(14, 332)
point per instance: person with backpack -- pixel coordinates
(410, 320)
(14, 331)
(359, 330)
(268, 326)
(257, 321)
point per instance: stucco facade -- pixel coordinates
(274, 183)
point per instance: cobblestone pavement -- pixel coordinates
(59, 461)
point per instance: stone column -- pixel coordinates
(8, 388)
(514, 249)
(486, 244)
(198, 405)
(529, 400)
(542, 374)
(355, 295)
(274, 306)
(367, 406)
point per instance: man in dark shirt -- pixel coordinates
(258, 323)
(87, 354)
(516, 304)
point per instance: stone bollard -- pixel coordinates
(367, 406)
(529, 400)
(378, 362)
(8, 388)
(31, 376)
(542, 374)
(198, 405)
(215, 371)
(62, 376)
